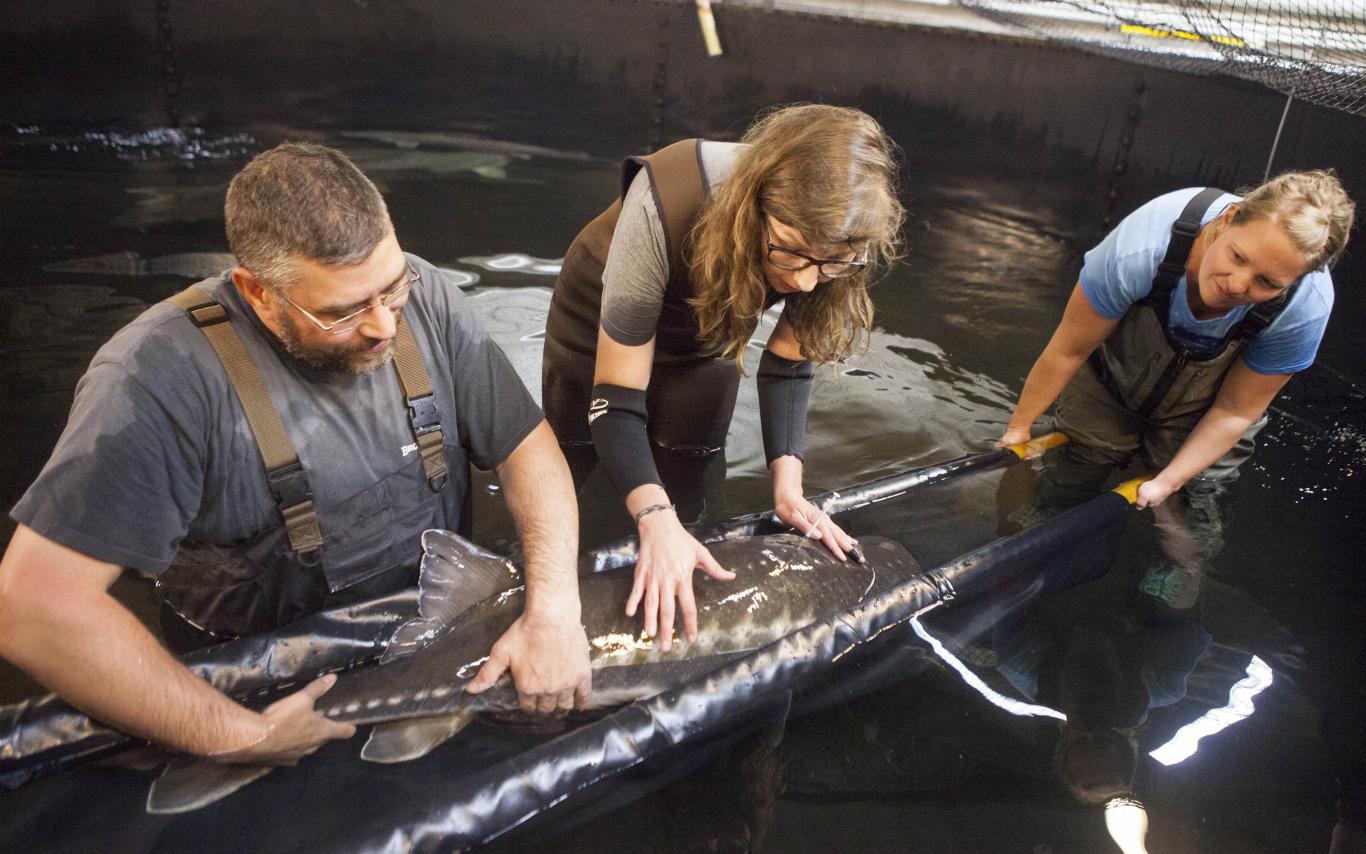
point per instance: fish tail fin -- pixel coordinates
(401, 741)
(188, 784)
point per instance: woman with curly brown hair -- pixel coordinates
(660, 294)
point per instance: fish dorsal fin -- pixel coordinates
(401, 741)
(456, 574)
(188, 784)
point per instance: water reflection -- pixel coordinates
(485, 164)
(187, 145)
(190, 265)
(166, 206)
(987, 251)
(413, 140)
(1321, 420)
(515, 262)
(439, 153)
(1077, 681)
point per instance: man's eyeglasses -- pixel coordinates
(790, 259)
(391, 299)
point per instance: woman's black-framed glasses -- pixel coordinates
(391, 299)
(790, 259)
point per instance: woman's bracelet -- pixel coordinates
(648, 510)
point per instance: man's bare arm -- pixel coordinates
(546, 648)
(59, 623)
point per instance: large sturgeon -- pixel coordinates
(468, 597)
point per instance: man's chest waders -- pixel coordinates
(1143, 389)
(283, 573)
(691, 395)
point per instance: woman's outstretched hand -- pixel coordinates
(810, 521)
(807, 519)
(668, 556)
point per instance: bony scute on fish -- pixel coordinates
(467, 671)
(738, 596)
(621, 643)
(415, 697)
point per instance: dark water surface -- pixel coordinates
(99, 225)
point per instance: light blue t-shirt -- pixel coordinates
(1119, 271)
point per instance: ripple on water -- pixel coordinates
(190, 265)
(442, 153)
(889, 407)
(515, 262)
(987, 246)
(188, 145)
(440, 140)
(463, 279)
(1314, 445)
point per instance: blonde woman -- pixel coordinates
(660, 294)
(1185, 322)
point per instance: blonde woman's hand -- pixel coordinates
(1014, 436)
(1153, 492)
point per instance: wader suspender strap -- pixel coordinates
(1171, 269)
(1169, 272)
(1261, 315)
(423, 414)
(679, 168)
(1173, 266)
(286, 476)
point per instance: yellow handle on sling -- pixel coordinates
(1129, 488)
(1035, 447)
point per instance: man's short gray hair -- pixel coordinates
(306, 200)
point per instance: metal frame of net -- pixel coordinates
(1311, 50)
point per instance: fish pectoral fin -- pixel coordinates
(401, 741)
(188, 784)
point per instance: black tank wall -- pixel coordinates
(564, 71)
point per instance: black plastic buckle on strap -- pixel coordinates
(207, 314)
(1164, 285)
(424, 415)
(1186, 228)
(289, 485)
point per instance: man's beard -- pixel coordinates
(350, 359)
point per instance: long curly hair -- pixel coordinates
(830, 173)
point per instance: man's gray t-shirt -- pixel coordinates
(157, 450)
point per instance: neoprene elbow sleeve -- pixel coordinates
(784, 392)
(617, 419)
